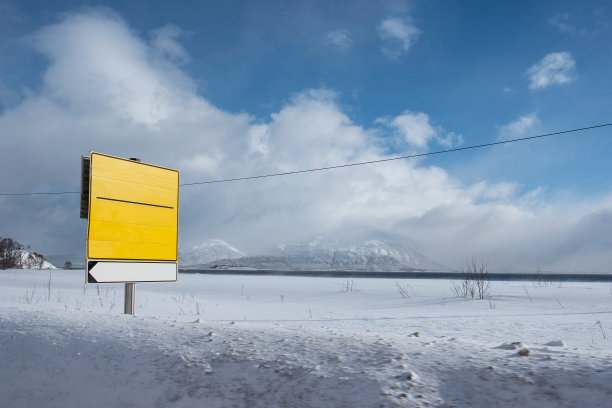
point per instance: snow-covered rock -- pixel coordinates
(556, 343)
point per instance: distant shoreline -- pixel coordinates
(543, 278)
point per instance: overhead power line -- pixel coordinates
(32, 194)
(410, 156)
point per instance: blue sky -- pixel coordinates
(252, 87)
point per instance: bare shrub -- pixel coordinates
(30, 296)
(463, 287)
(491, 303)
(528, 295)
(348, 286)
(483, 284)
(403, 289)
(10, 254)
(542, 280)
(473, 281)
(603, 333)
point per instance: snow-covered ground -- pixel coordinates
(262, 341)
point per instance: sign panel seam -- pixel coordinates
(134, 202)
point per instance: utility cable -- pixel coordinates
(411, 156)
(33, 194)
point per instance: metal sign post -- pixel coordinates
(129, 303)
(129, 296)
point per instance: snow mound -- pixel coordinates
(556, 343)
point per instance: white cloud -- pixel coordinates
(521, 127)
(398, 34)
(415, 129)
(499, 191)
(108, 90)
(202, 163)
(554, 69)
(165, 41)
(101, 63)
(259, 136)
(449, 139)
(562, 22)
(340, 39)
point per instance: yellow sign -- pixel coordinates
(133, 211)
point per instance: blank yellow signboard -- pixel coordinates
(133, 211)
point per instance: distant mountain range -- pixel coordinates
(209, 251)
(318, 254)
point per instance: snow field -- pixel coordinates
(264, 341)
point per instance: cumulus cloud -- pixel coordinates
(556, 68)
(413, 127)
(102, 64)
(340, 39)
(109, 90)
(398, 36)
(521, 127)
(416, 129)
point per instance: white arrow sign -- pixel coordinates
(109, 272)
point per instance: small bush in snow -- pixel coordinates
(603, 333)
(403, 289)
(542, 280)
(473, 281)
(348, 286)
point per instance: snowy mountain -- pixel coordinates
(370, 255)
(332, 255)
(208, 251)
